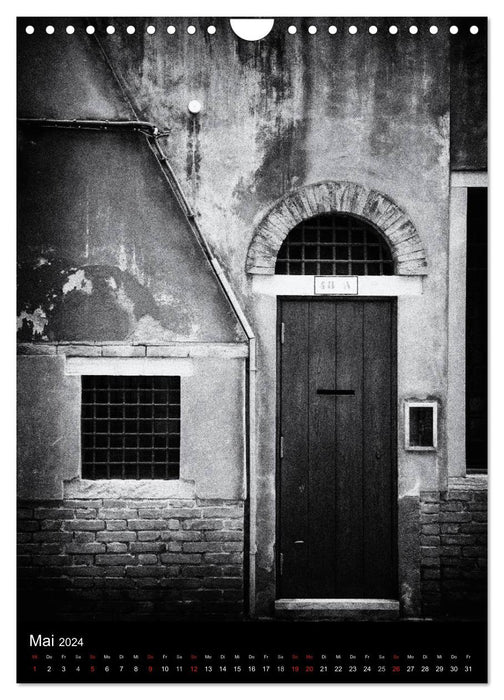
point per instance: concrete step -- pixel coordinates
(337, 608)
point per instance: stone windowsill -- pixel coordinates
(123, 488)
(115, 349)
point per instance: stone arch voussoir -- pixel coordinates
(331, 197)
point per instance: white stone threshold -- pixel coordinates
(337, 607)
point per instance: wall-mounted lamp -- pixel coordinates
(194, 107)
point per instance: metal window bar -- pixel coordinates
(130, 427)
(334, 244)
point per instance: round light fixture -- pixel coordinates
(194, 107)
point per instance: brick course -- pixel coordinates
(131, 558)
(454, 551)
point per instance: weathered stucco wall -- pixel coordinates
(105, 252)
(469, 97)
(48, 426)
(212, 463)
(310, 107)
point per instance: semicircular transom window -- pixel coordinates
(334, 244)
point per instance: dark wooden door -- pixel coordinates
(337, 464)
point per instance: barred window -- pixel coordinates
(130, 427)
(334, 244)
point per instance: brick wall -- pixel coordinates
(454, 549)
(130, 558)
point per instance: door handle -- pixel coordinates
(336, 392)
(299, 542)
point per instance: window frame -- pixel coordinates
(77, 366)
(90, 450)
(460, 183)
(339, 237)
(408, 404)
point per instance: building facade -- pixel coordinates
(252, 321)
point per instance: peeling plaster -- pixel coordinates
(148, 329)
(414, 491)
(78, 281)
(407, 595)
(37, 320)
(60, 301)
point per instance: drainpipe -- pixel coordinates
(251, 365)
(152, 134)
(146, 128)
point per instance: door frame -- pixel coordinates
(394, 420)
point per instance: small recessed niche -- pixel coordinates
(421, 430)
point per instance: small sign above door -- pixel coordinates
(336, 285)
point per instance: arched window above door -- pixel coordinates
(334, 244)
(378, 210)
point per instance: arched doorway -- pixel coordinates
(337, 467)
(356, 308)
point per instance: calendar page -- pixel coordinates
(252, 349)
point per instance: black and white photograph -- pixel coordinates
(252, 349)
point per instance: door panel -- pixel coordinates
(321, 427)
(337, 475)
(348, 439)
(294, 396)
(378, 463)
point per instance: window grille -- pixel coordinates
(130, 427)
(334, 244)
